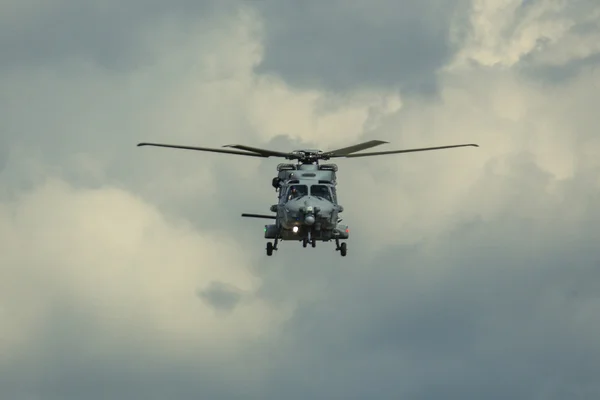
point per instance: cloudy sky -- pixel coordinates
(127, 273)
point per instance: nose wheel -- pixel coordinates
(342, 248)
(271, 247)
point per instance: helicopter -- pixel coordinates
(307, 209)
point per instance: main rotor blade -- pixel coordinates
(243, 153)
(264, 152)
(352, 149)
(380, 153)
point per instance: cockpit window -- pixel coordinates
(296, 191)
(321, 191)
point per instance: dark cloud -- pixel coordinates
(499, 308)
(111, 34)
(221, 296)
(558, 74)
(342, 45)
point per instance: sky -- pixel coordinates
(127, 273)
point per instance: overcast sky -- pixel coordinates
(127, 273)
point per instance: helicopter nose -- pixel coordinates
(309, 220)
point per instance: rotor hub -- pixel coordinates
(308, 156)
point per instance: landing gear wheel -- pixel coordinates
(314, 243)
(343, 249)
(269, 248)
(304, 242)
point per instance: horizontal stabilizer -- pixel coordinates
(259, 216)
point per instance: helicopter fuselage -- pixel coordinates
(308, 208)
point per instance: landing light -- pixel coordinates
(295, 229)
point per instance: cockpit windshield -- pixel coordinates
(296, 191)
(321, 191)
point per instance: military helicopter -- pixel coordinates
(307, 209)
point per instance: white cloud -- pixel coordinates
(506, 31)
(134, 270)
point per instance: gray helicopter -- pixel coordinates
(307, 210)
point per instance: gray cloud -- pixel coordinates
(558, 74)
(342, 45)
(470, 273)
(112, 34)
(498, 308)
